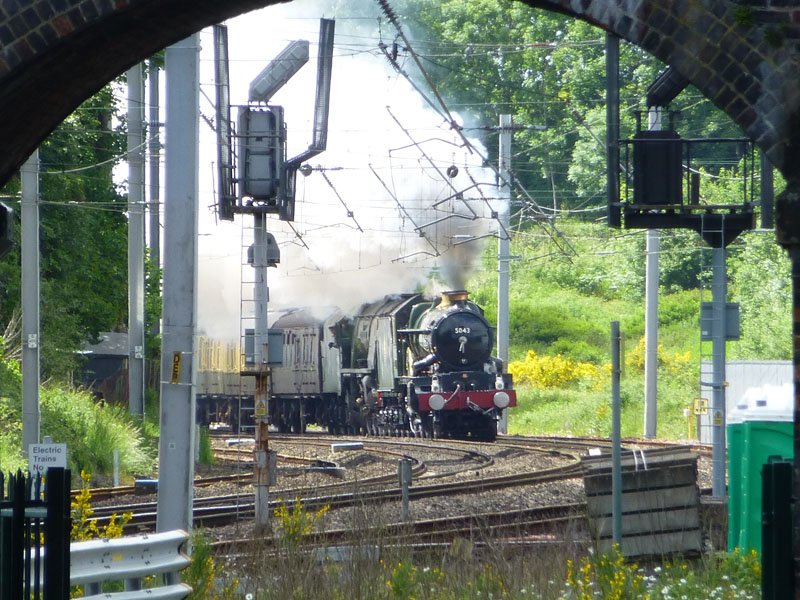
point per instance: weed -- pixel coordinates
(83, 526)
(206, 455)
(296, 522)
(204, 574)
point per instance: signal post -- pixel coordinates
(263, 474)
(262, 183)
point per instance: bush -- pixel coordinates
(92, 432)
(554, 371)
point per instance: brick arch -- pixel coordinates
(56, 53)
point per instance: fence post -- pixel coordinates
(17, 491)
(5, 545)
(57, 530)
(776, 547)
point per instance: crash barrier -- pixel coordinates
(130, 559)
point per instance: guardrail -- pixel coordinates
(130, 559)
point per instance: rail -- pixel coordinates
(130, 559)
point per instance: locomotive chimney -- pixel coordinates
(457, 297)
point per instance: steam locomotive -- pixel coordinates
(402, 365)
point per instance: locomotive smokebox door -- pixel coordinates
(657, 168)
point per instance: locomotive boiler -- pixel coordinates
(401, 364)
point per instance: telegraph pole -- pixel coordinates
(30, 301)
(176, 444)
(154, 150)
(652, 250)
(503, 249)
(136, 241)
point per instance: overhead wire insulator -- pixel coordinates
(387, 10)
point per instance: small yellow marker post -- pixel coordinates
(175, 374)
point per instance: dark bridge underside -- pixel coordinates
(56, 53)
(36, 98)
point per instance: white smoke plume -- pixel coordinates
(379, 213)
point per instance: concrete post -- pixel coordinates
(136, 241)
(651, 313)
(30, 301)
(154, 150)
(503, 251)
(176, 444)
(154, 184)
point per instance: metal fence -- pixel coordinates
(34, 514)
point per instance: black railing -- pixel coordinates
(34, 536)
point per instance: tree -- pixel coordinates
(83, 233)
(489, 57)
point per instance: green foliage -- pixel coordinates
(206, 453)
(488, 58)
(10, 416)
(152, 308)
(760, 274)
(204, 575)
(83, 232)
(90, 430)
(727, 575)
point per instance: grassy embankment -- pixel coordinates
(561, 313)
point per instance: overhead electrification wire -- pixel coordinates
(350, 213)
(387, 10)
(546, 223)
(404, 211)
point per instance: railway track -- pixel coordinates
(435, 461)
(221, 510)
(510, 526)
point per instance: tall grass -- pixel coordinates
(92, 431)
(371, 566)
